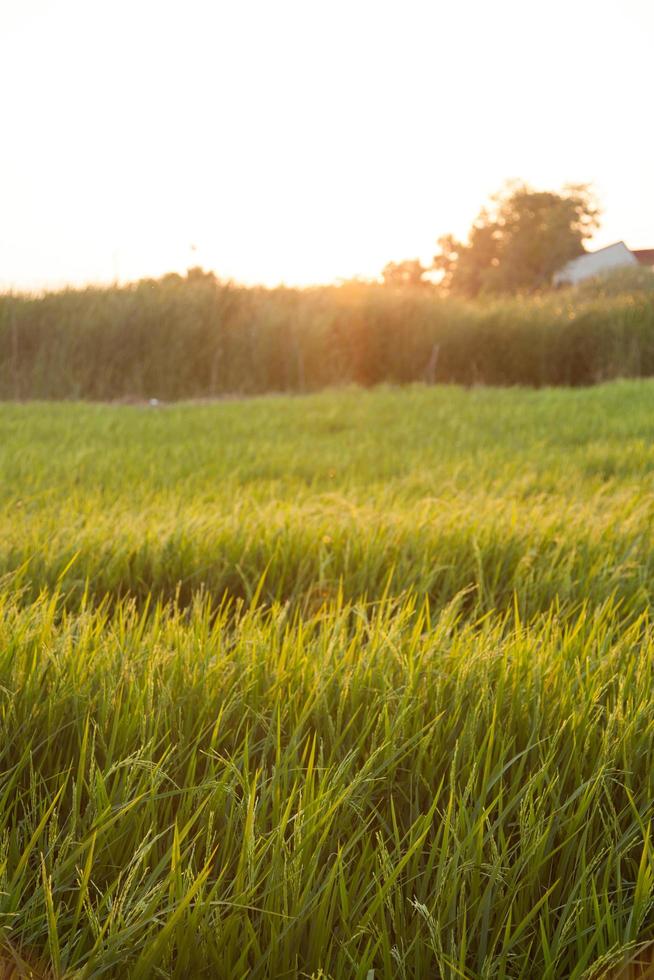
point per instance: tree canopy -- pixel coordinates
(410, 272)
(519, 241)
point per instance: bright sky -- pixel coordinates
(305, 140)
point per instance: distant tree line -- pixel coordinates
(515, 245)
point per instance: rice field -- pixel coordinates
(352, 685)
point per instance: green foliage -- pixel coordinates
(406, 274)
(626, 280)
(195, 337)
(363, 790)
(518, 243)
(315, 687)
(435, 490)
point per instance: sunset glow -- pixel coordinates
(303, 142)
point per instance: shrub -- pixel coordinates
(184, 337)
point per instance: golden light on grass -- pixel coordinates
(243, 751)
(637, 966)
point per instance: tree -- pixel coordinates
(519, 241)
(410, 272)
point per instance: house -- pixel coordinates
(595, 263)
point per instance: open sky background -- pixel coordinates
(304, 141)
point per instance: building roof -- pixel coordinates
(605, 248)
(644, 255)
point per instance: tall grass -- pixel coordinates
(434, 490)
(185, 795)
(362, 681)
(183, 337)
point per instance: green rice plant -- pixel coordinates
(354, 684)
(193, 794)
(435, 491)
